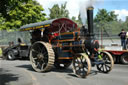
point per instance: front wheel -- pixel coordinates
(81, 65)
(10, 55)
(107, 64)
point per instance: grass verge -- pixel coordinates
(0, 52)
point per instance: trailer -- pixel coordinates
(119, 55)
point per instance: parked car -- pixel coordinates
(20, 50)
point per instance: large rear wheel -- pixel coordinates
(42, 56)
(107, 64)
(81, 65)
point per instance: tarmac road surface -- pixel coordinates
(20, 72)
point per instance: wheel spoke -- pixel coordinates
(85, 66)
(107, 62)
(76, 65)
(77, 61)
(45, 54)
(38, 65)
(39, 49)
(101, 66)
(85, 71)
(81, 57)
(43, 66)
(107, 66)
(35, 51)
(35, 58)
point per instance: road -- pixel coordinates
(20, 72)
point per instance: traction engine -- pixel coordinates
(60, 43)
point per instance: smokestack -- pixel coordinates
(90, 20)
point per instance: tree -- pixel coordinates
(104, 16)
(79, 19)
(27, 11)
(125, 24)
(112, 16)
(58, 12)
(2, 20)
(105, 19)
(74, 18)
(7, 5)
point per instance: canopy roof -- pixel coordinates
(54, 25)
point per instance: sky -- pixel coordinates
(75, 6)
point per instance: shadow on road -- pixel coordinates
(62, 70)
(28, 67)
(92, 73)
(69, 71)
(6, 77)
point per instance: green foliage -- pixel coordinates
(0, 52)
(107, 21)
(2, 20)
(21, 12)
(7, 5)
(113, 27)
(78, 21)
(125, 24)
(58, 12)
(74, 18)
(104, 16)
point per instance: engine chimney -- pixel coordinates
(90, 20)
(91, 43)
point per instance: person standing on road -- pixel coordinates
(122, 35)
(127, 40)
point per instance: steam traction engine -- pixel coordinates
(60, 42)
